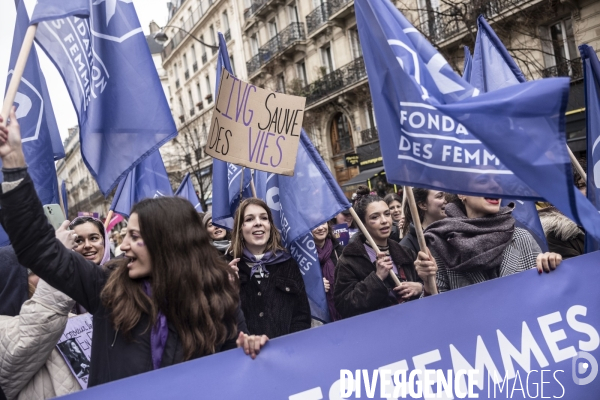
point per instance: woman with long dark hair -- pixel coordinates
(362, 279)
(272, 290)
(431, 206)
(168, 300)
(478, 241)
(394, 203)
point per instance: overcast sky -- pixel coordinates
(147, 10)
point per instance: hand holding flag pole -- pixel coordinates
(576, 165)
(18, 73)
(408, 193)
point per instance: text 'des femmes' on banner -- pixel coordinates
(254, 127)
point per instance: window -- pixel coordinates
(204, 137)
(208, 89)
(176, 71)
(254, 45)
(211, 29)
(355, 48)
(203, 47)
(272, 24)
(341, 136)
(327, 59)
(232, 64)
(563, 41)
(181, 109)
(428, 10)
(193, 53)
(199, 92)
(281, 83)
(185, 63)
(225, 21)
(191, 99)
(293, 13)
(198, 154)
(301, 72)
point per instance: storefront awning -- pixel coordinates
(363, 177)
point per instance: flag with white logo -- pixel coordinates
(148, 180)
(101, 52)
(493, 68)
(187, 191)
(438, 131)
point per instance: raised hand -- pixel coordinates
(11, 150)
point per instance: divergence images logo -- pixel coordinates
(584, 364)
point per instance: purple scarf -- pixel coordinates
(159, 333)
(267, 259)
(328, 269)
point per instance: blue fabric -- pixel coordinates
(591, 72)
(468, 64)
(107, 67)
(187, 191)
(227, 177)
(299, 204)
(548, 319)
(65, 198)
(493, 68)
(147, 180)
(509, 143)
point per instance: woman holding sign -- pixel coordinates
(272, 290)
(478, 241)
(362, 279)
(168, 300)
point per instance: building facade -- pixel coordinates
(191, 73)
(83, 194)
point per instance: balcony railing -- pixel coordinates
(214, 49)
(195, 66)
(369, 135)
(200, 106)
(318, 17)
(290, 34)
(192, 111)
(448, 22)
(254, 7)
(335, 81)
(204, 58)
(187, 74)
(337, 5)
(177, 84)
(188, 25)
(227, 35)
(571, 68)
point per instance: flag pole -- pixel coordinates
(15, 81)
(108, 218)
(403, 204)
(371, 242)
(419, 229)
(576, 165)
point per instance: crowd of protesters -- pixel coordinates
(173, 286)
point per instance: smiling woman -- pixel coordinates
(91, 239)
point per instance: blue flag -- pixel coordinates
(147, 180)
(440, 132)
(231, 183)
(101, 52)
(187, 191)
(299, 204)
(65, 198)
(591, 71)
(493, 68)
(468, 64)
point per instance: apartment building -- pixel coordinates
(190, 68)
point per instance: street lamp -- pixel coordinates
(161, 37)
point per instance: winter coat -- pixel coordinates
(278, 305)
(563, 235)
(410, 241)
(113, 356)
(358, 289)
(30, 365)
(518, 256)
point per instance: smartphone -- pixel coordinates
(54, 214)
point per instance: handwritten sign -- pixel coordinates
(254, 127)
(75, 345)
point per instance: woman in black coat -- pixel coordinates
(151, 307)
(272, 290)
(362, 279)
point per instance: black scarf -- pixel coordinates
(471, 244)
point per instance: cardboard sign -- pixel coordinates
(75, 345)
(254, 127)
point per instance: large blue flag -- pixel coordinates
(231, 183)
(299, 204)
(148, 180)
(591, 71)
(438, 131)
(187, 191)
(493, 68)
(101, 52)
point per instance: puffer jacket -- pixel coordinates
(31, 367)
